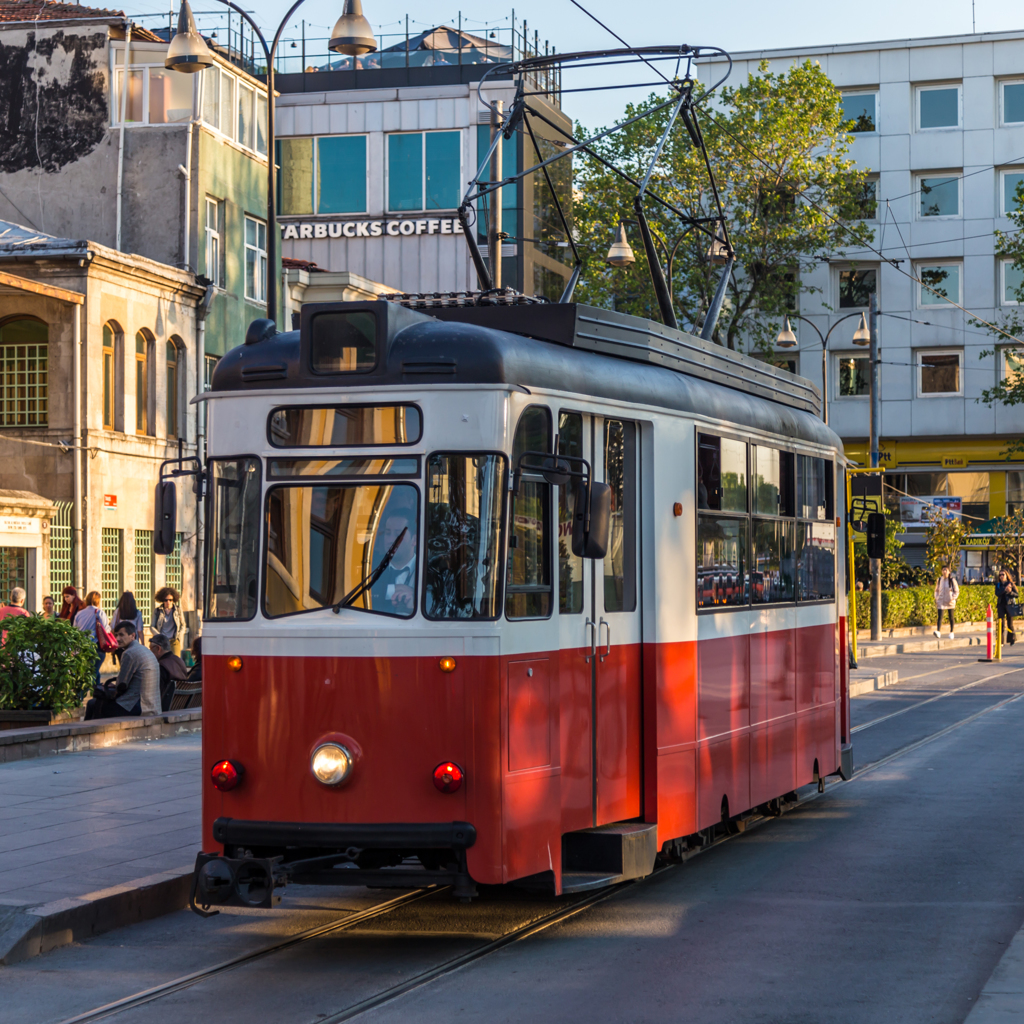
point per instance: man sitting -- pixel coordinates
(137, 690)
(172, 669)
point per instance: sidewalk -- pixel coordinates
(1002, 998)
(95, 840)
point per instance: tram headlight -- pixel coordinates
(331, 763)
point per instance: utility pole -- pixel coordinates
(876, 422)
(494, 232)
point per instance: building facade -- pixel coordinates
(939, 124)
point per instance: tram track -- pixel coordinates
(513, 935)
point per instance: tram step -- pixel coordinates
(599, 856)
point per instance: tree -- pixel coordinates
(1010, 545)
(44, 663)
(946, 536)
(778, 148)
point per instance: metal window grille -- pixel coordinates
(172, 567)
(143, 568)
(110, 568)
(12, 570)
(23, 385)
(62, 550)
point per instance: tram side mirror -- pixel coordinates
(166, 517)
(876, 535)
(592, 543)
(556, 472)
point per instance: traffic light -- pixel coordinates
(876, 535)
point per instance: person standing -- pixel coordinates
(1006, 594)
(168, 618)
(49, 607)
(947, 590)
(137, 688)
(71, 604)
(16, 606)
(127, 611)
(88, 619)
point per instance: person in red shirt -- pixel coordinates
(15, 607)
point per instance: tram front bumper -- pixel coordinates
(261, 856)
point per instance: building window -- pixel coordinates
(24, 373)
(940, 195)
(547, 223)
(235, 109)
(856, 288)
(172, 566)
(424, 171)
(1012, 181)
(1012, 102)
(1014, 491)
(1013, 363)
(866, 202)
(860, 111)
(143, 568)
(112, 545)
(854, 376)
(142, 388)
(155, 95)
(938, 106)
(214, 242)
(1011, 283)
(174, 358)
(113, 342)
(323, 175)
(938, 373)
(255, 259)
(940, 284)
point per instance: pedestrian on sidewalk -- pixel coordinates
(127, 611)
(172, 669)
(71, 604)
(137, 688)
(1006, 603)
(168, 618)
(947, 590)
(89, 620)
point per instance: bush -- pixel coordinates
(915, 606)
(45, 663)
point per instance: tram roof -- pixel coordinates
(565, 347)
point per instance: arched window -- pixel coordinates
(113, 342)
(143, 391)
(175, 373)
(23, 372)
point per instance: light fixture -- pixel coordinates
(188, 52)
(448, 777)
(352, 33)
(331, 763)
(447, 664)
(719, 253)
(862, 336)
(226, 775)
(620, 254)
(235, 664)
(786, 338)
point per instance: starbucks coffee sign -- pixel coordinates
(393, 228)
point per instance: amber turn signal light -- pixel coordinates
(235, 664)
(447, 664)
(448, 776)
(226, 775)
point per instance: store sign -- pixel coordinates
(954, 462)
(20, 524)
(373, 228)
(110, 501)
(917, 511)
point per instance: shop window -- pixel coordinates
(1011, 290)
(255, 259)
(424, 171)
(1012, 181)
(860, 111)
(854, 376)
(940, 195)
(940, 284)
(856, 288)
(1012, 102)
(938, 373)
(1014, 490)
(938, 106)
(24, 373)
(973, 490)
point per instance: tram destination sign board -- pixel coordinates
(393, 227)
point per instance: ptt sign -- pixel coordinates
(373, 228)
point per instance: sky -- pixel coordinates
(739, 25)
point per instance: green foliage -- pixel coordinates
(776, 143)
(1010, 550)
(915, 606)
(894, 567)
(946, 536)
(44, 663)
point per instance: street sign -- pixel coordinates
(917, 511)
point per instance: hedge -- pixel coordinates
(915, 606)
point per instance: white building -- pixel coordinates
(941, 128)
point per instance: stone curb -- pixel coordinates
(865, 681)
(70, 737)
(1002, 998)
(880, 649)
(27, 931)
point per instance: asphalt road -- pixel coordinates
(888, 898)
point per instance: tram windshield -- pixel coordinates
(324, 542)
(233, 552)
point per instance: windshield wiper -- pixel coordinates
(368, 581)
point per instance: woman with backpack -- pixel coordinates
(947, 590)
(93, 619)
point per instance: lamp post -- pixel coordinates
(189, 53)
(787, 339)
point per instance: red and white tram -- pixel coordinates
(410, 676)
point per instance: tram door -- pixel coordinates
(599, 620)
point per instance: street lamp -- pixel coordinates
(621, 255)
(787, 339)
(188, 52)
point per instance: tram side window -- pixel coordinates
(465, 495)
(814, 479)
(344, 426)
(528, 578)
(620, 559)
(773, 481)
(232, 569)
(721, 561)
(721, 473)
(773, 562)
(570, 566)
(816, 537)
